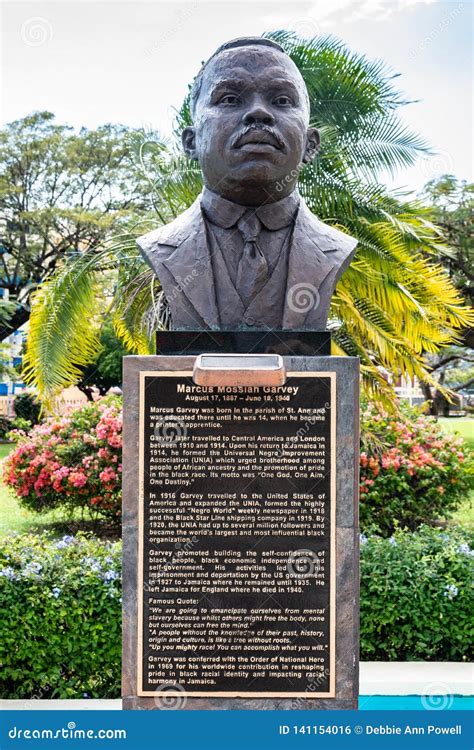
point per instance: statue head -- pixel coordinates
(250, 131)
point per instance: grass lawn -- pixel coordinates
(464, 516)
(12, 517)
(15, 519)
(463, 425)
(5, 449)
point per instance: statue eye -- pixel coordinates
(283, 101)
(229, 99)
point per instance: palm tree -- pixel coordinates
(393, 305)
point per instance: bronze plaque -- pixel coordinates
(236, 559)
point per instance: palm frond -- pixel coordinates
(64, 328)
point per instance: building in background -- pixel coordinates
(11, 386)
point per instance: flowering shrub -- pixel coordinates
(411, 473)
(416, 598)
(60, 630)
(73, 461)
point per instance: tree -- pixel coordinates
(452, 206)
(460, 378)
(6, 311)
(452, 372)
(61, 194)
(391, 306)
(106, 371)
(6, 370)
(27, 406)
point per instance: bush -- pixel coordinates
(27, 406)
(18, 425)
(60, 630)
(411, 471)
(5, 426)
(72, 462)
(416, 596)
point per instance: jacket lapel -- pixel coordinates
(191, 267)
(308, 266)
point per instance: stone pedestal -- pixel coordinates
(342, 417)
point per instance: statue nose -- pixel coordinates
(258, 114)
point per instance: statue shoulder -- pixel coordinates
(173, 233)
(329, 239)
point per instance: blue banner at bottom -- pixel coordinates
(235, 730)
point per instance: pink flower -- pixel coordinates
(115, 441)
(57, 477)
(77, 479)
(108, 475)
(77, 456)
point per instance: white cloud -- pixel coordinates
(380, 10)
(320, 15)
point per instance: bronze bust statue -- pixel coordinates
(249, 254)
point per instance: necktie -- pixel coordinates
(252, 272)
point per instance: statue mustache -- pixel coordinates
(261, 128)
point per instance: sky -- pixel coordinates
(131, 62)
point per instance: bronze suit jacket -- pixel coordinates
(179, 255)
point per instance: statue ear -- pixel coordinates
(312, 145)
(188, 138)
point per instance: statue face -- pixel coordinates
(250, 131)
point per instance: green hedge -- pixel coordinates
(60, 631)
(60, 628)
(417, 596)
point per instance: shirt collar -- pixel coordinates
(273, 216)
